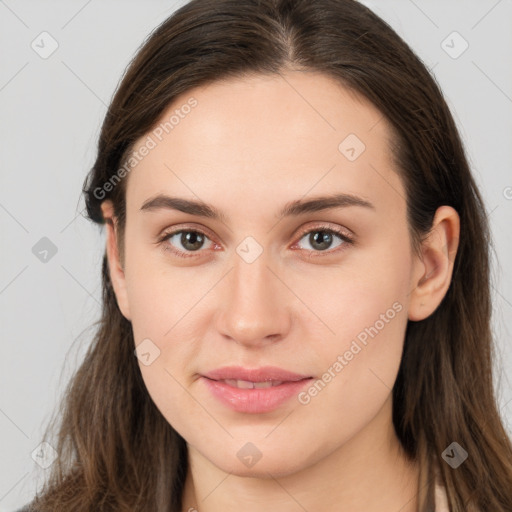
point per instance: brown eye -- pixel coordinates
(184, 241)
(321, 239)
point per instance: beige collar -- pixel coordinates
(441, 501)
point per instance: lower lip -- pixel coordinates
(254, 400)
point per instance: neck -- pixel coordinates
(368, 473)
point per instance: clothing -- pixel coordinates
(441, 500)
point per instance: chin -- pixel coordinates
(278, 466)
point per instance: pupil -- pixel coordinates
(324, 239)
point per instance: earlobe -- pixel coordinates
(432, 272)
(117, 272)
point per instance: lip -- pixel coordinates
(262, 374)
(256, 400)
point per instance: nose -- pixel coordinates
(254, 304)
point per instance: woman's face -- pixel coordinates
(254, 288)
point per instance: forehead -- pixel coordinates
(266, 138)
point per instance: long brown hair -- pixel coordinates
(116, 450)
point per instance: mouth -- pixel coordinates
(254, 391)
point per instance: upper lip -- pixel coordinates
(262, 374)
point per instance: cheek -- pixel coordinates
(164, 310)
(367, 333)
(358, 367)
(158, 295)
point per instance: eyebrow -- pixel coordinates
(293, 208)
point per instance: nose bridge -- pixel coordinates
(253, 309)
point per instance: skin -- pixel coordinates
(250, 146)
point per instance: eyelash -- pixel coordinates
(347, 240)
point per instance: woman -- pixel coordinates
(296, 281)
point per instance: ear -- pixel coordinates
(432, 273)
(117, 274)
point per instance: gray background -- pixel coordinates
(51, 110)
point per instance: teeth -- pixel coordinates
(267, 384)
(245, 384)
